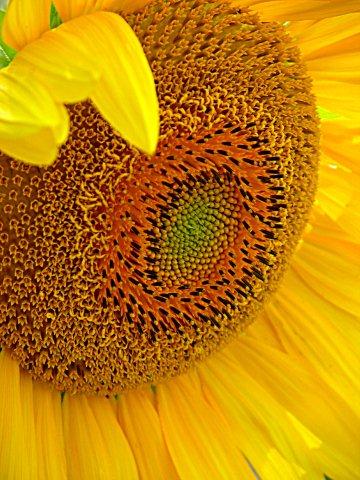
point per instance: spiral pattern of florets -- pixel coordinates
(118, 269)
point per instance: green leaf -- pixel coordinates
(55, 19)
(6, 53)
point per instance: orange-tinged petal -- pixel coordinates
(128, 6)
(96, 447)
(342, 67)
(143, 431)
(326, 34)
(16, 423)
(25, 21)
(284, 10)
(69, 9)
(99, 56)
(49, 433)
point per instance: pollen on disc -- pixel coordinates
(118, 269)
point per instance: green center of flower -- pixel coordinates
(193, 233)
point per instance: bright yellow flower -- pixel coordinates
(67, 64)
(121, 270)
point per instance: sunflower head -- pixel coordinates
(121, 268)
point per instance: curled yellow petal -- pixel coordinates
(39, 148)
(32, 125)
(99, 56)
(25, 21)
(26, 105)
(126, 94)
(62, 62)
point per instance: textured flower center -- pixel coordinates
(192, 235)
(118, 269)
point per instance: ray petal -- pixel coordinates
(32, 125)
(49, 433)
(302, 393)
(141, 424)
(261, 430)
(287, 10)
(17, 460)
(99, 56)
(188, 423)
(95, 444)
(25, 21)
(69, 9)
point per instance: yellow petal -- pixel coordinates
(25, 21)
(322, 36)
(142, 427)
(69, 9)
(306, 324)
(29, 422)
(128, 6)
(62, 62)
(16, 423)
(36, 149)
(284, 10)
(100, 57)
(331, 267)
(261, 430)
(302, 393)
(342, 67)
(96, 447)
(32, 125)
(49, 433)
(199, 441)
(26, 106)
(338, 142)
(126, 94)
(335, 465)
(304, 321)
(342, 99)
(336, 188)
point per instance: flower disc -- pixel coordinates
(119, 269)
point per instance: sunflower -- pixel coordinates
(78, 61)
(189, 313)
